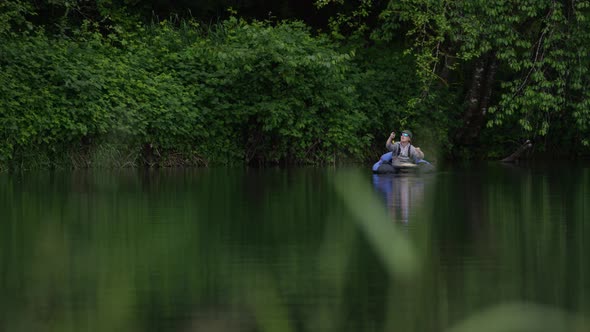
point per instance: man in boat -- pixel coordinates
(403, 151)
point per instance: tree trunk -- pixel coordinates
(478, 99)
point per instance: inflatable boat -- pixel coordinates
(386, 165)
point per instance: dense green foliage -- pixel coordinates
(237, 93)
(520, 67)
(88, 84)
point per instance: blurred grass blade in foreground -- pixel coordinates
(521, 317)
(392, 247)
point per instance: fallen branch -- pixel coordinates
(518, 153)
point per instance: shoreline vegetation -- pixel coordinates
(116, 92)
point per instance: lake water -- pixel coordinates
(487, 246)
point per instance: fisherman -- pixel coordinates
(403, 151)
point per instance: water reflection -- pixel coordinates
(290, 250)
(402, 193)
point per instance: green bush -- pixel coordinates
(237, 92)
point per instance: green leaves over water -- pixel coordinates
(236, 92)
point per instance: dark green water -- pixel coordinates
(296, 250)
